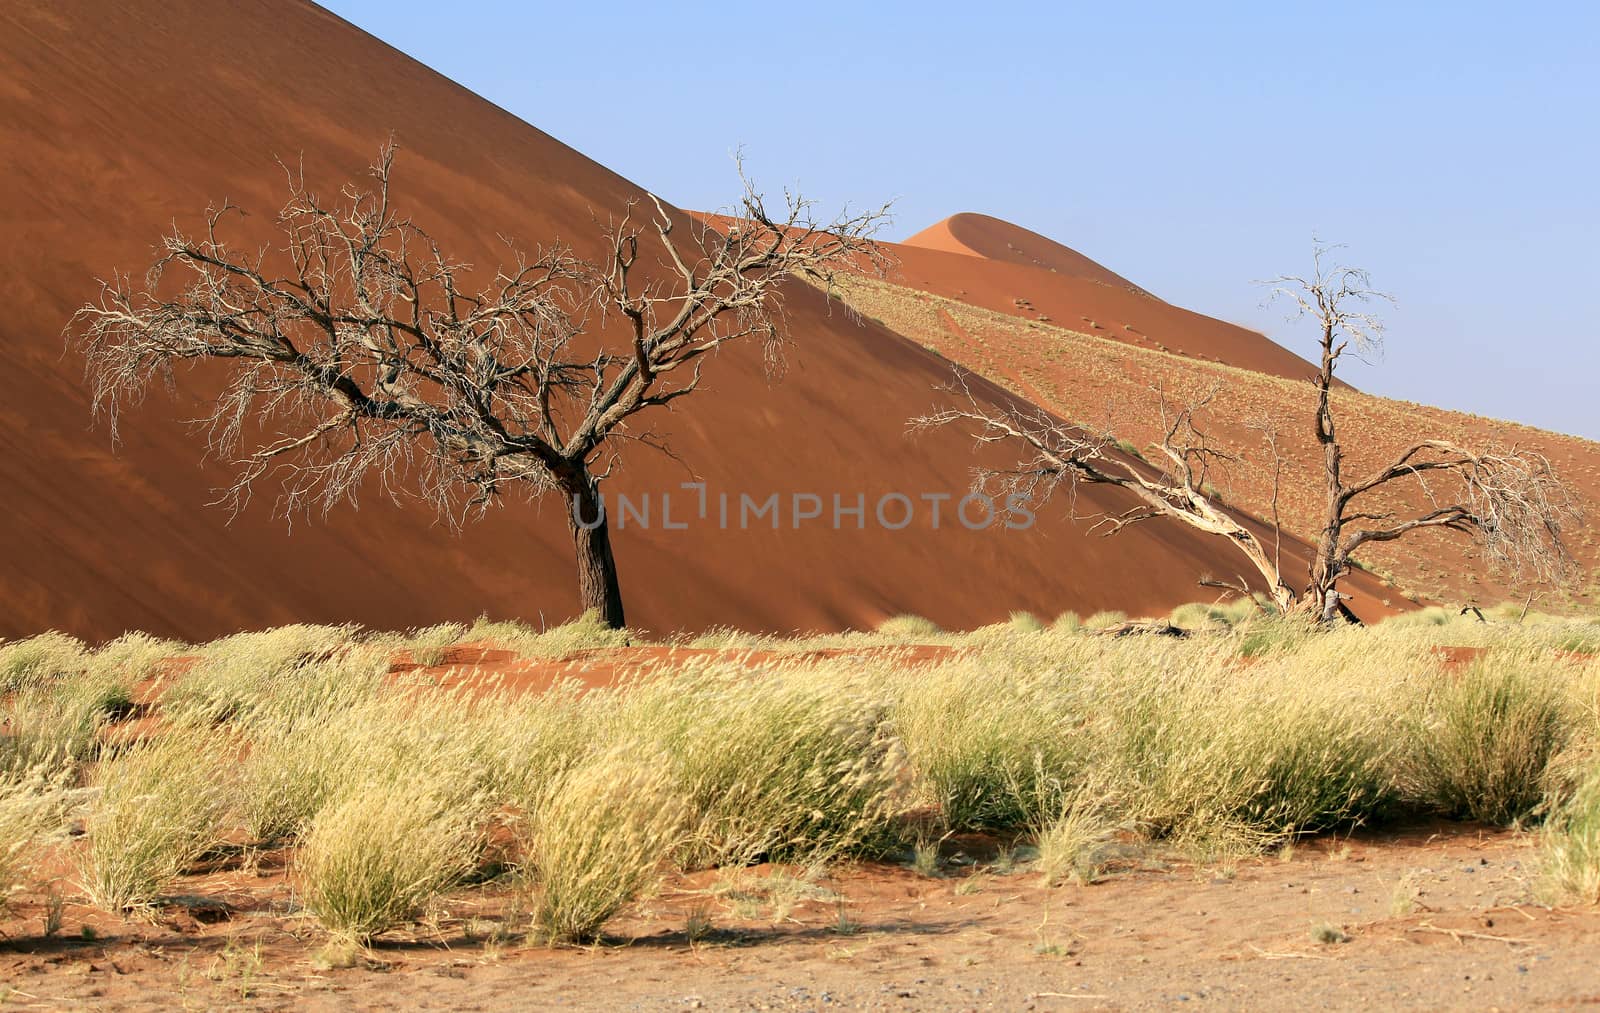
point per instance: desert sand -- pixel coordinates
(1418, 915)
(993, 239)
(997, 266)
(1139, 938)
(104, 150)
(117, 122)
(1102, 372)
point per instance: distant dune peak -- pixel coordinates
(98, 542)
(979, 235)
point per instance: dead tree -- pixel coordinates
(1507, 499)
(1058, 454)
(358, 357)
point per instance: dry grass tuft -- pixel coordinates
(601, 835)
(429, 646)
(1484, 741)
(1329, 934)
(39, 660)
(1026, 622)
(291, 669)
(982, 749)
(787, 762)
(1104, 619)
(34, 806)
(1072, 842)
(134, 657)
(1571, 846)
(161, 806)
(585, 633)
(50, 725)
(377, 855)
(908, 627)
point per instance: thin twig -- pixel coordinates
(1459, 934)
(1268, 955)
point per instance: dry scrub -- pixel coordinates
(376, 856)
(599, 837)
(389, 791)
(34, 805)
(160, 806)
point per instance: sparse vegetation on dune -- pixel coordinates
(34, 804)
(39, 659)
(909, 627)
(1104, 618)
(237, 676)
(160, 806)
(1083, 376)
(382, 850)
(585, 633)
(1572, 844)
(1482, 743)
(600, 834)
(387, 790)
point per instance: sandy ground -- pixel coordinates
(1149, 933)
(1026, 276)
(1073, 369)
(98, 542)
(977, 235)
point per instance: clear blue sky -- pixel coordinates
(1189, 147)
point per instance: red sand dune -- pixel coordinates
(118, 120)
(1002, 267)
(992, 239)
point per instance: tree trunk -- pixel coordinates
(598, 589)
(1326, 565)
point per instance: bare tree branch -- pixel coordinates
(1509, 500)
(1061, 455)
(358, 358)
